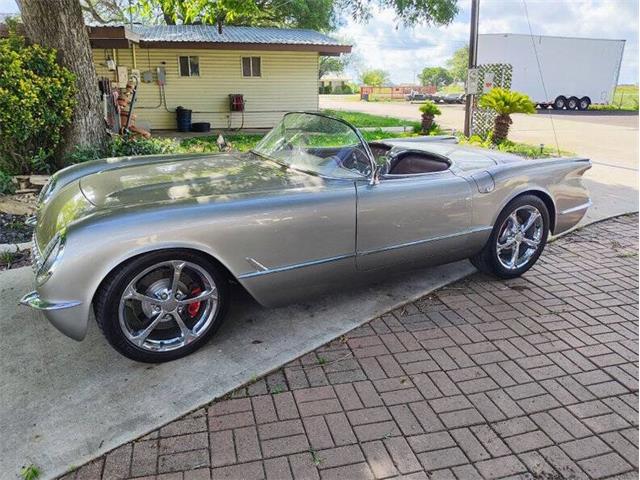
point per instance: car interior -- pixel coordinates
(401, 161)
(408, 162)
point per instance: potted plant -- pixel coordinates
(429, 111)
(505, 102)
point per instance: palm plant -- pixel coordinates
(429, 111)
(505, 102)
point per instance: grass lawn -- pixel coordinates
(358, 119)
(624, 98)
(245, 142)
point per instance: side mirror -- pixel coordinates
(380, 170)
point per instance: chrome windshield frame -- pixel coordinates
(368, 152)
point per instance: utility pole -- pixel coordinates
(473, 58)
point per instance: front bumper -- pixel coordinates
(68, 316)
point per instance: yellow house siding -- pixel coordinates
(289, 81)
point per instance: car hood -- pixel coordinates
(189, 178)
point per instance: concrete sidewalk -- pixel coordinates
(63, 402)
(533, 378)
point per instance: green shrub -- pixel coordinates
(36, 104)
(6, 184)
(430, 108)
(507, 146)
(129, 146)
(83, 154)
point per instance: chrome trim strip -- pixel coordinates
(418, 242)
(577, 208)
(287, 268)
(33, 300)
(256, 264)
(31, 221)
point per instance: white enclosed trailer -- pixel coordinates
(576, 71)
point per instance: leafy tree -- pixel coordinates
(106, 11)
(64, 31)
(409, 12)
(374, 77)
(331, 65)
(314, 14)
(458, 64)
(36, 104)
(437, 76)
(505, 102)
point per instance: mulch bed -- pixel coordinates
(13, 228)
(14, 259)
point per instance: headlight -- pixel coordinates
(51, 257)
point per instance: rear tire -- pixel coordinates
(560, 103)
(573, 103)
(494, 258)
(153, 295)
(584, 103)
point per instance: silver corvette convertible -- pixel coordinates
(152, 243)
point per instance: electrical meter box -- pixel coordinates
(135, 73)
(147, 76)
(123, 76)
(162, 75)
(111, 65)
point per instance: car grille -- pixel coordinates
(36, 256)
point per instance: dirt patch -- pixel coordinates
(13, 228)
(14, 259)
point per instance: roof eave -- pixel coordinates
(326, 50)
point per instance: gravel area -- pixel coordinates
(13, 228)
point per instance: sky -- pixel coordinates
(383, 43)
(403, 52)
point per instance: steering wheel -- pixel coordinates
(356, 160)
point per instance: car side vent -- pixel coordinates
(484, 181)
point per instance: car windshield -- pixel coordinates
(316, 144)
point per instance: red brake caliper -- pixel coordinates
(192, 308)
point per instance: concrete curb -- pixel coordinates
(580, 226)
(14, 247)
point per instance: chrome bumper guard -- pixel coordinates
(33, 300)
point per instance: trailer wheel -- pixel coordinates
(584, 103)
(572, 103)
(560, 102)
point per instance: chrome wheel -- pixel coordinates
(520, 237)
(168, 306)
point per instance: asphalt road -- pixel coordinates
(609, 140)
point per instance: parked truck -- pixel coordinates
(561, 72)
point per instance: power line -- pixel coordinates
(544, 87)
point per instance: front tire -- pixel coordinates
(517, 240)
(162, 306)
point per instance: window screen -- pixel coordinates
(246, 66)
(189, 66)
(251, 67)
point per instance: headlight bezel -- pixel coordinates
(50, 258)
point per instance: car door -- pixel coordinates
(421, 218)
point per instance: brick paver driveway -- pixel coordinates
(531, 378)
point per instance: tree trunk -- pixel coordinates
(59, 24)
(427, 122)
(501, 128)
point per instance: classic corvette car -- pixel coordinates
(151, 243)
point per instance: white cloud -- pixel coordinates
(405, 51)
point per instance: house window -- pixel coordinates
(189, 66)
(251, 66)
